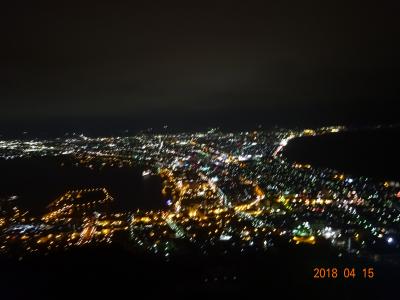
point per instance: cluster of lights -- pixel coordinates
(235, 189)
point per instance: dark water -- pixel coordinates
(374, 153)
(38, 181)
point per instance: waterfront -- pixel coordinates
(372, 152)
(231, 197)
(40, 180)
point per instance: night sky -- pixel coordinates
(198, 64)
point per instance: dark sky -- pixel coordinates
(272, 61)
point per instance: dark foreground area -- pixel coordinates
(113, 272)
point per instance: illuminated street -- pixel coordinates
(233, 192)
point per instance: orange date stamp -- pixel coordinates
(346, 273)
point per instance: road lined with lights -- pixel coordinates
(231, 191)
